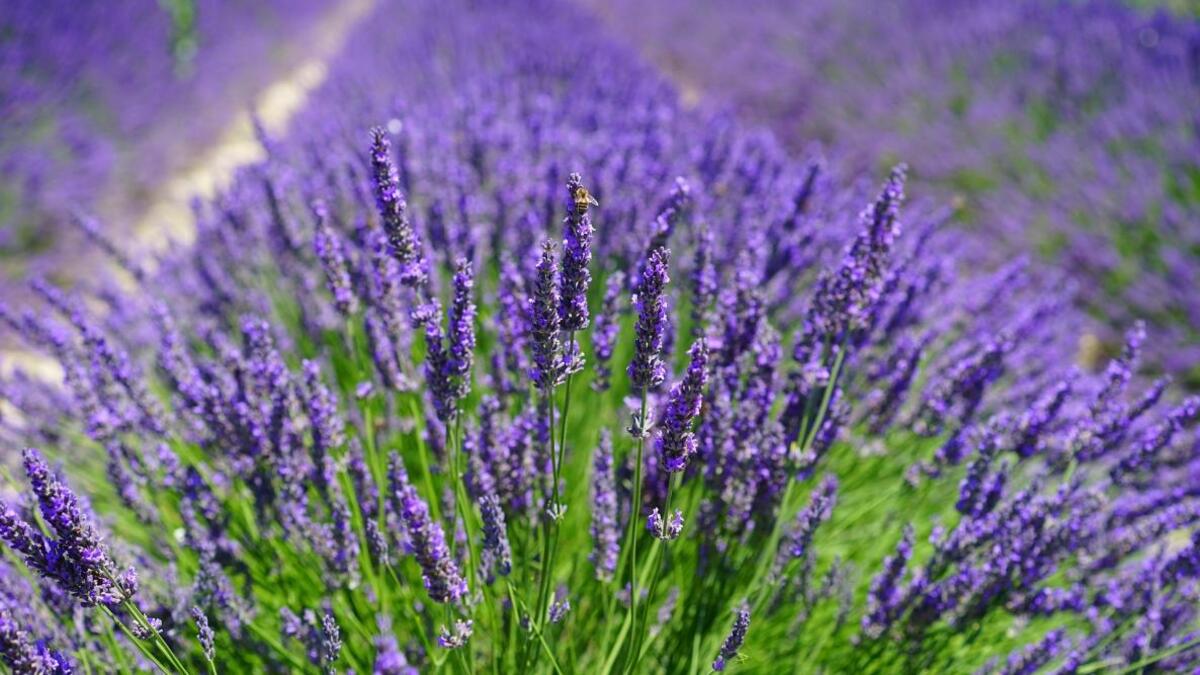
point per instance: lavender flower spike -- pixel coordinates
(577, 254)
(548, 365)
(677, 443)
(204, 633)
(604, 334)
(884, 595)
(328, 248)
(495, 535)
(819, 508)
(606, 531)
(458, 638)
(733, 641)
(331, 642)
(462, 329)
(17, 648)
(77, 559)
(665, 530)
(646, 370)
(405, 245)
(428, 542)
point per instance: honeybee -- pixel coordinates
(583, 199)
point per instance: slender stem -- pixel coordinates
(557, 456)
(639, 637)
(768, 556)
(423, 456)
(635, 518)
(136, 642)
(157, 638)
(547, 532)
(514, 600)
(463, 509)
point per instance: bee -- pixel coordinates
(583, 199)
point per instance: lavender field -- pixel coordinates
(527, 336)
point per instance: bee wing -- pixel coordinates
(592, 200)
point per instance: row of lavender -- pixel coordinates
(101, 100)
(1070, 128)
(549, 373)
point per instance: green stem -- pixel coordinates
(557, 456)
(423, 456)
(634, 520)
(272, 642)
(548, 533)
(1155, 658)
(515, 601)
(136, 642)
(639, 637)
(463, 509)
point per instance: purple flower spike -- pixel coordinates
(428, 542)
(495, 534)
(405, 245)
(819, 508)
(577, 255)
(606, 531)
(549, 368)
(703, 278)
(733, 641)
(462, 329)
(204, 633)
(646, 370)
(448, 639)
(18, 650)
(884, 597)
(677, 443)
(75, 557)
(667, 530)
(604, 335)
(327, 245)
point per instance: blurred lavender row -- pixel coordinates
(1072, 129)
(102, 100)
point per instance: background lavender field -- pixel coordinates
(540, 337)
(1067, 131)
(103, 101)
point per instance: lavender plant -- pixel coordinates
(377, 419)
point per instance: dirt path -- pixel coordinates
(169, 216)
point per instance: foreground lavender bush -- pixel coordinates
(548, 374)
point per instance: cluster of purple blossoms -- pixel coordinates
(1060, 127)
(676, 442)
(426, 538)
(267, 438)
(577, 256)
(22, 654)
(733, 641)
(646, 370)
(665, 529)
(605, 525)
(393, 210)
(74, 557)
(328, 247)
(549, 365)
